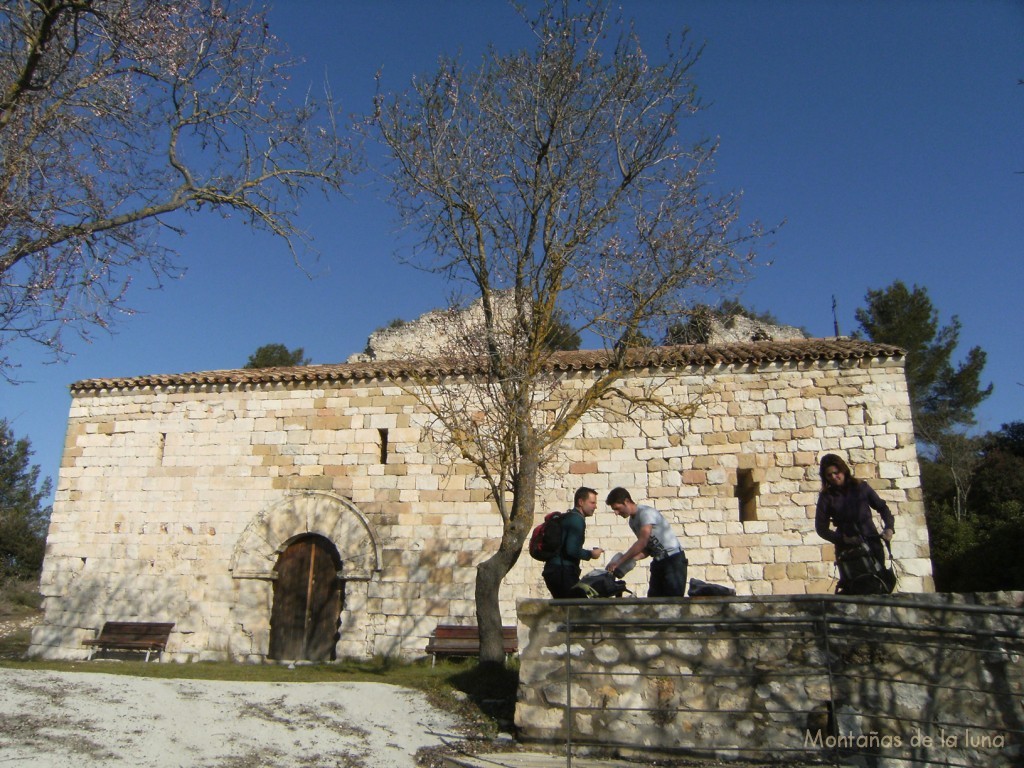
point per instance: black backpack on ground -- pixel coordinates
(700, 588)
(599, 584)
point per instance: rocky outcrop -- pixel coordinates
(742, 328)
(430, 335)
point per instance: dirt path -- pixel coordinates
(80, 720)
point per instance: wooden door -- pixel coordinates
(307, 601)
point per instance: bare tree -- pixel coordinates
(116, 114)
(961, 455)
(553, 181)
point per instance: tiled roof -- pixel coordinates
(657, 357)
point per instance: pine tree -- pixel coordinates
(23, 518)
(277, 356)
(942, 398)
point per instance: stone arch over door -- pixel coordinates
(333, 517)
(268, 535)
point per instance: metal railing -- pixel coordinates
(832, 684)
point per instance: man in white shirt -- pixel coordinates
(655, 539)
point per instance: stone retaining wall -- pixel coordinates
(905, 679)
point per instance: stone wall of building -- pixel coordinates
(900, 680)
(177, 494)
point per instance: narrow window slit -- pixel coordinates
(746, 491)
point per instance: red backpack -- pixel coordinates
(546, 539)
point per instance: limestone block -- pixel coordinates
(883, 441)
(888, 470)
(905, 456)
(775, 572)
(806, 418)
(804, 553)
(716, 476)
(850, 442)
(761, 554)
(746, 572)
(782, 541)
(902, 427)
(837, 418)
(861, 458)
(721, 556)
(738, 555)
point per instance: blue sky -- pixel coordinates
(887, 135)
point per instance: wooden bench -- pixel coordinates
(458, 640)
(148, 636)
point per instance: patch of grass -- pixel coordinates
(19, 603)
(13, 644)
(19, 597)
(418, 674)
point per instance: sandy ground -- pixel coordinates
(55, 719)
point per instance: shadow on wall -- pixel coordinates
(79, 597)
(930, 678)
(392, 599)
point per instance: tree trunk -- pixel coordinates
(492, 571)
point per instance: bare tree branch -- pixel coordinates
(116, 114)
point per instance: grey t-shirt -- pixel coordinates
(663, 541)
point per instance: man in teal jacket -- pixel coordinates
(562, 572)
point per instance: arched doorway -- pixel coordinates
(307, 601)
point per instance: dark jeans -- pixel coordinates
(668, 576)
(560, 578)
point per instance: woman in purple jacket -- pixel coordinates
(843, 515)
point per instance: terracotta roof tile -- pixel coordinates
(658, 357)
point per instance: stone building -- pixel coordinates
(305, 512)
